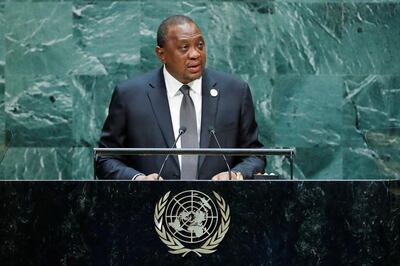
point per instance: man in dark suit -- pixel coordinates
(147, 111)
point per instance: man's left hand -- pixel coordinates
(225, 176)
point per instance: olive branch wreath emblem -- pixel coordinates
(176, 247)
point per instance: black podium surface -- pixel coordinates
(238, 223)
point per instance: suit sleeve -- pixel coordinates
(113, 135)
(248, 138)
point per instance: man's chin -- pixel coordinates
(193, 76)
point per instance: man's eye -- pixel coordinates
(200, 45)
(184, 47)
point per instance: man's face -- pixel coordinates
(184, 52)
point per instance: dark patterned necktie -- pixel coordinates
(189, 139)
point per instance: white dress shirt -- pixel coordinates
(175, 98)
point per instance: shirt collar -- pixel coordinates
(173, 85)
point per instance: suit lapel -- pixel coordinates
(208, 111)
(157, 94)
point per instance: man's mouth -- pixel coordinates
(194, 68)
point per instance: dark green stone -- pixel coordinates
(371, 37)
(39, 111)
(2, 81)
(261, 87)
(241, 42)
(324, 76)
(362, 163)
(372, 125)
(307, 110)
(91, 98)
(319, 162)
(39, 38)
(2, 115)
(371, 110)
(308, 38)
(36, 163)
(107, 33)
(82, 164)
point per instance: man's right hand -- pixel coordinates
(151, 177)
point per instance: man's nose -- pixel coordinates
(194, 53)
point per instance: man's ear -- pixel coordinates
(160, 53)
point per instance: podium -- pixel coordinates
(259, 222)
(288, 153)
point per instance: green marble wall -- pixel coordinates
(325, 77)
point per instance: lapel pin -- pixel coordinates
(213, 92)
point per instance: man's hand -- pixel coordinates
(225, 176)
(150, 177)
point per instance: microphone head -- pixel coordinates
(182, 130)
(211, 129)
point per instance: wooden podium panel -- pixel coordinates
(238, 223)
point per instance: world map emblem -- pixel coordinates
(191, 221)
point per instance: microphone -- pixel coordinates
(211, 129)
(182, 131)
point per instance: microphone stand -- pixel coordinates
(182, 131)
(212, 132)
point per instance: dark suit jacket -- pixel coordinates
(139, 117)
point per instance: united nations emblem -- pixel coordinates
(191, 222)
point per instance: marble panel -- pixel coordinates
(39, 38)
(2, 80)
(310, 163)
(372, 124)
(3, 141)
(39, 111)
(92, 96)
(365, 163)
(371, 37)
(2, 42)
(370, 1)
(240, 38)
(280, 167)
(38, 1)
(22, 163)
(307, 110)
(103, 42)
(306, 114)
(308, 38)
(310, 1)
(85, 127)
(319, 163)
(153, 12)
(2, 115)
(107, 37)
(371, 113)
(82, 164)
(261, 87)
